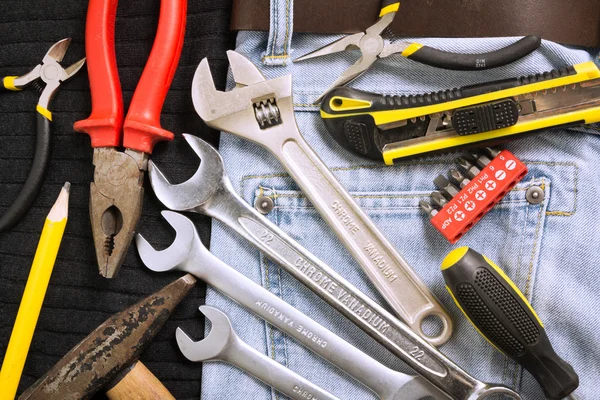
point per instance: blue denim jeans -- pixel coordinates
(548, 249)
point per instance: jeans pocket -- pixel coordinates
(510, 234)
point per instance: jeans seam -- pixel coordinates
(276, 25)
(270, 327)
(285, 354)
(518, 379)
(287, 28)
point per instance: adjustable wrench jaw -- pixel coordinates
(183, 254)
(255, 110)
(215, 345)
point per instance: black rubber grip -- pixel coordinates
(35, 179)
(475, 62)
(502, 316)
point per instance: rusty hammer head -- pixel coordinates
(113, 346)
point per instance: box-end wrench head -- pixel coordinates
(223, 344)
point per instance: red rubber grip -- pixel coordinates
(106, 121)
(142, 128)
(479, 196)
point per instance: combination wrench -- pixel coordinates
(223, 344)
(187, 253)
(263, 111)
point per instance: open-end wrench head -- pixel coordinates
(234, 111)
(214, 345)
(179, 255)
(192, 194)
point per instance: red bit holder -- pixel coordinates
(481, 194)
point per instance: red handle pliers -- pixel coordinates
(116, 195)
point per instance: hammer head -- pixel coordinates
(114, 345)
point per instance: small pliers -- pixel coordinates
(373, 47)
(46, 77)
(116, 194)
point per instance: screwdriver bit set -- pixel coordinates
(470, 192)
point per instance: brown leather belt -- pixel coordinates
(574, 22)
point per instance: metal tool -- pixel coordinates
(116, 194)
(107, 357)
(394, 127)
(373, 47)
(502, 314)
(209, 192)
(263, 111)
(187, 253)
(46, 77)
(223, 344)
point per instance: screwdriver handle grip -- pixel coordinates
(502, 314)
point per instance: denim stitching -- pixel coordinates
(270, 327)
(285, 353)
(287, 27)
(516, 380)
(358, 167)
(507, 360)
(276, 25)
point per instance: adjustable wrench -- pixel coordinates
(223, 344)
(263, 111)
(187, 253)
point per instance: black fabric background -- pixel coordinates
(78, 300)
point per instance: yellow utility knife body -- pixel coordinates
(394, 127)
(502, 315)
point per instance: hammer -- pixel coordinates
(107, 358)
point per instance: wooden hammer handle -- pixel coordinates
(139, 384)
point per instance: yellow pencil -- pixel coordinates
(33, 297)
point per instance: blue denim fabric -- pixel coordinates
(548, 249)
(280, 35)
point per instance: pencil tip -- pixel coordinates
(60, 209)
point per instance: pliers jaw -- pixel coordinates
(116, 199)
(370, 43)
(50, 72)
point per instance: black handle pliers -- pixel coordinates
(47, 77)
(373, 47)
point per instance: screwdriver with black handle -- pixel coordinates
(502, 314)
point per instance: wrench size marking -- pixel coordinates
(417, 353)
(266, 237)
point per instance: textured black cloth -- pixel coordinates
(78, 300)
